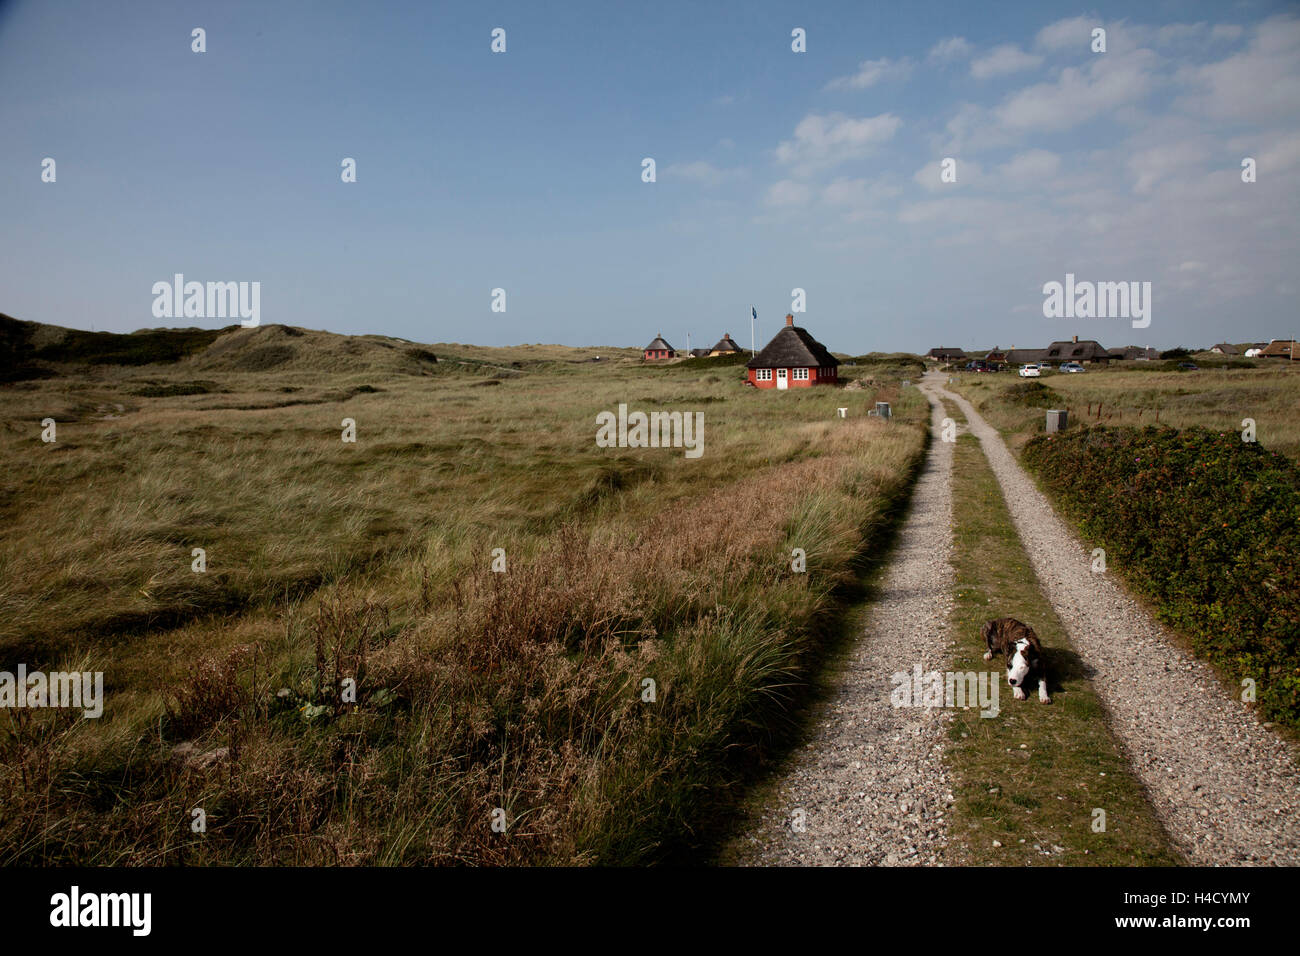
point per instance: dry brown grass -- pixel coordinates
(477, 691)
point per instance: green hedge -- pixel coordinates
(1207, 525)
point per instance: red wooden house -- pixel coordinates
(793, 359)
(659, 349)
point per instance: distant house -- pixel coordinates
(1066, 350)
(659, 349)
(1025, 356)
(1223, 348)
(699, 353)
(1089, 350)
(1256, 350)
(1279, 348)
(725, 346)
(1135, 353)
(945, 355)
(793, 359)
(996, 356)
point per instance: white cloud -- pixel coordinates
(1034, 167)
(1150, 166)
(1187, 35)
(954, 210)
(787, 192)
(859, 199)
(1064, 34)
(1153, 190)
(970, 129)
(1110, 81)
(1279, 157)
(826, 140)
(1004, 59)
(927, 177)
(1262, 82)
(871, 72)
(949, 48)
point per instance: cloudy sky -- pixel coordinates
(776, 169)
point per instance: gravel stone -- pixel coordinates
(872, 781)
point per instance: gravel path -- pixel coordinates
(1226, 788)
(871, 780)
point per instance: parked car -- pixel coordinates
(1072, 367)
(1190, 366)
(1029, 371)
(978, 365)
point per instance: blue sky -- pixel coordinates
(775, 169)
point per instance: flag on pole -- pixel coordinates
(753, 312)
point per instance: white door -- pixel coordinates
(780, 378)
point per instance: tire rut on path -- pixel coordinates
(871, 780)
(1225, 787)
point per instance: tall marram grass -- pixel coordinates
(603, 693)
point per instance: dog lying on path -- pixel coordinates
(1018, 643)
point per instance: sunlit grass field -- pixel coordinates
(594, 699)
(1128, 394)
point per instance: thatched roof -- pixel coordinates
(726, 344)
(945, 355)
(1089, 350)
(659, 343)
(699, 353)
(793, 347)
(1024, 356)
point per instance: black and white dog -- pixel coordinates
(1018, 643)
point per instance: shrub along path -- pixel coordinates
(1226, 788)
(870, 786)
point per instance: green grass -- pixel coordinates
(477, 690)
(1140, 394)
(1031, 778)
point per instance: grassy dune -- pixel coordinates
(524, 691)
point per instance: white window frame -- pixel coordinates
(800, 374)
(763, 375)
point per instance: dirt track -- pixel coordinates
(1226, 788)
(871, 780)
